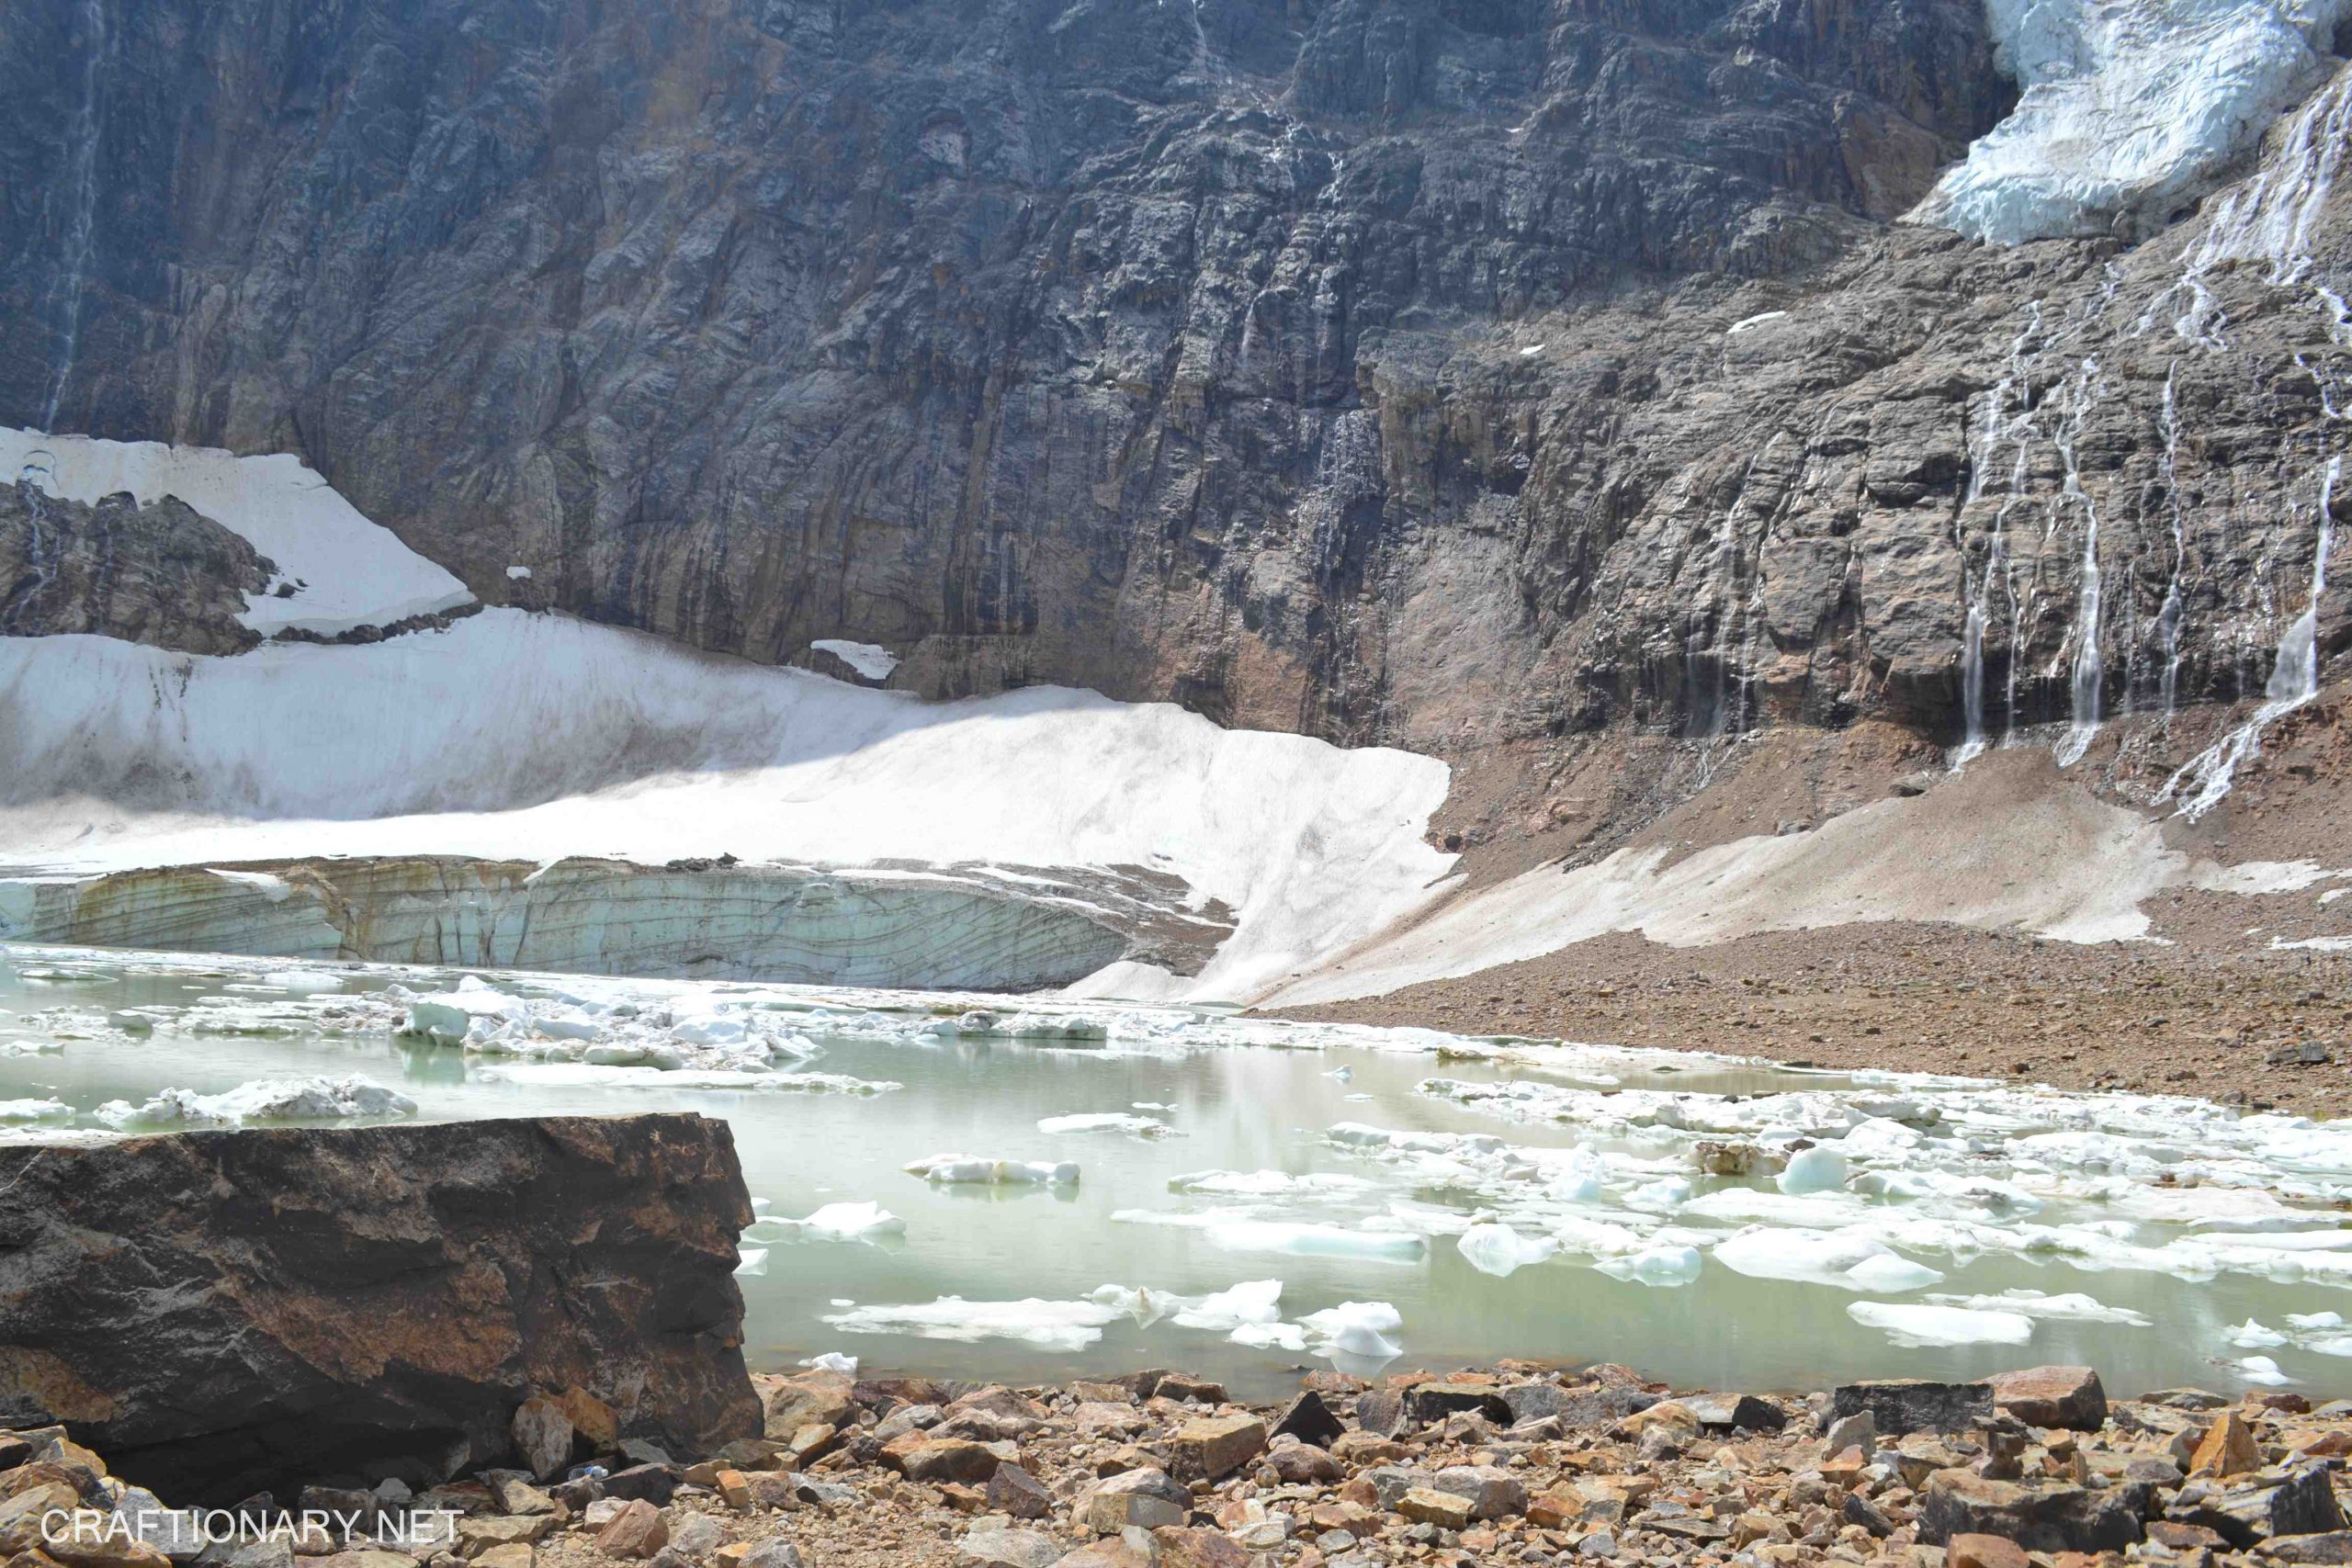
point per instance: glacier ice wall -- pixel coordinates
(2127, 108)
(536, 738)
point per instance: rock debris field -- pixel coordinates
(1517, 1464)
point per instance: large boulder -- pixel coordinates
(225, 1312)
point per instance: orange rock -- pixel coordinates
(2228, 1448)
(1983, 1551)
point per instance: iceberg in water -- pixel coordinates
(269, 1099)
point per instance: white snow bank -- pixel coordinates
(2051, 861)
(2128, 106)
(271, 1099)
(532, 737)
(349, 571)
(870, 659)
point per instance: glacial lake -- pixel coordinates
(1951, 1228)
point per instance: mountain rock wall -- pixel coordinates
(1362, 367)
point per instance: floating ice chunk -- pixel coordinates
(1342, 1075)
(1810, 1210)
(1252, 1300)
(751, 1260)
(831, 1362)
(269, 1099)
(869, 659)
(1499, 1251)
(2252, 1336)
(1146, 1305)
(844, 1222)
(1810, 1256)
(592, 1075)
(2072, 1307)
(2211, 1208)
(33, 1110)
(709, 1029)
(1269, 1336)
(302, 981)
(1356, 1328)
(1237, 1232)
(1663, 1196)
(1921, 1325)
(2260, 1370)
(973, 1170)
(1106, 1121)
(449, 1015)
(2316, 1319)
(1267, 1183)
(1668, 1264)
(1817, 1170)
(1055, 1325)
(1889, 1273)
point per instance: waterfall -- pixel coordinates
(2089, 673)
(2294, 679)
(1997, 561)
(2169, 612)
(83, 177)
(36, 475)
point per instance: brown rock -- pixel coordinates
(2065, 1397)
(1983, 1551)
(1145, 1498)
(2227, 1448)
(812, 1442)
(514, 1554)
(1180, 1386)
(591, 1418)
(793, 1403)
(636, 1531)
(1179, 1546)
(1216, 1445)
(950, 1458)
(1012, 1490)
(1427, 1505)
(1303, 1464)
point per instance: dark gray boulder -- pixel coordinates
(222, 1313)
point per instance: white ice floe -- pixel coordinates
(347, 571)
(1251, 1302)
(1268, 1184)
(2252, 1336)
(33, 1110)
(271, 1099)
(2260, 1370)
(588, 1075)
(751, 1261)
(1066, 1326)
(1106, 1121)
(1356, 1328)
(519, 735)
(831, 1362)
(837, 1221)
(1921, 1325)
(1817, 1170)
(971, 1170)
(2128, 106)
(1499, 1251)
(2072, 1307)
(868, 658)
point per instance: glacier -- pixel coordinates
(2127, 109)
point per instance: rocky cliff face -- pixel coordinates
(228, 1311)
(1359, 367)
(159, 574)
